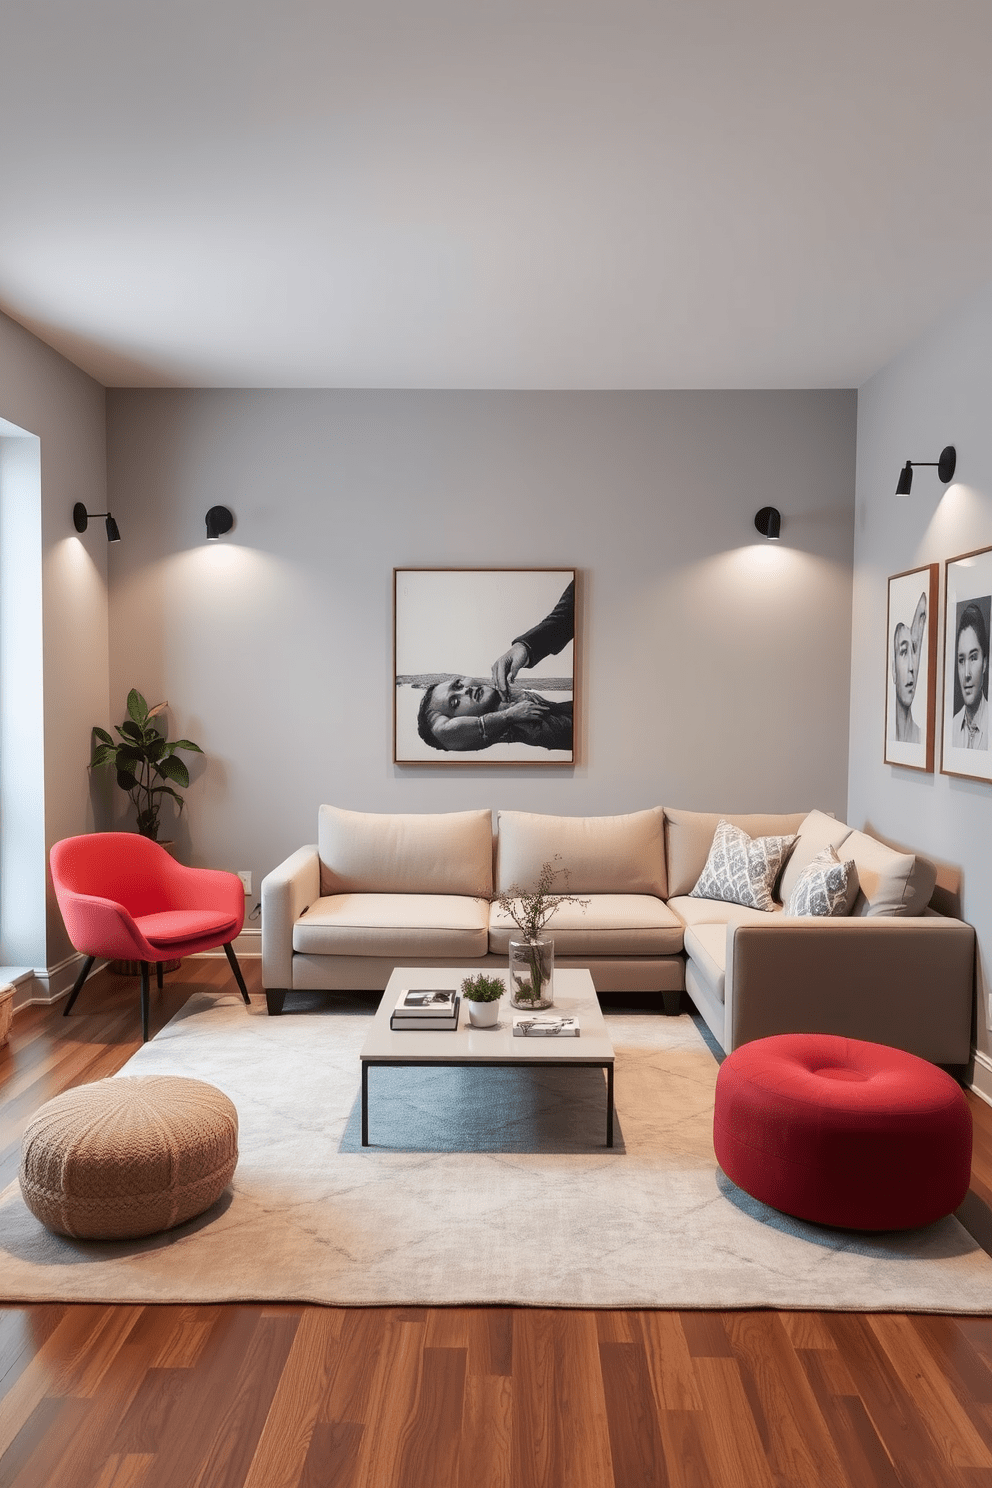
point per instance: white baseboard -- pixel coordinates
(981, 1080)
(248, 943)
(36, 985)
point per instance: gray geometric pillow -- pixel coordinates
(826, 887)
(742, 869)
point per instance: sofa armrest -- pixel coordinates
(286, 892)
(905, 982)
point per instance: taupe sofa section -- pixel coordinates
(893, 971)
(378, 890)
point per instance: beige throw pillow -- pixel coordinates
(742, 869)
(825, 887)
(892, 883)
(817, 832)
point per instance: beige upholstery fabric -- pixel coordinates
(816, 832)
(286, 892)
(892, 883)
(394, 925)
(690, 836)
(371, 973)
(716, 912)
(706, 945)
(603, 854)
(128, 1156)
(611, 925)
(364, 852)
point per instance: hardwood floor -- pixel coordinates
(309, 1397)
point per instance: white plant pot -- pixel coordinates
(483, 1014)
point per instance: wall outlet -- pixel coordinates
(245, 876)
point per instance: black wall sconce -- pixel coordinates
(81, 517)
(769, 522)
(945, 469)
(220, 519)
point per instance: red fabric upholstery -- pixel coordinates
(123, 896)
(843, 1132)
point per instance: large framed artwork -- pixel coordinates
(911, 668)
(967, 603)
(484, 665)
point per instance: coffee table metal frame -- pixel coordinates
(576, 994)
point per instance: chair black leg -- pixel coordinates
(237, 972)
(87, 966)
(144, 1002)
(158, 974)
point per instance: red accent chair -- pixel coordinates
(122, 896)
(843, 1132)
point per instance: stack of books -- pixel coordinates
(433, 1008)
(545, 1025)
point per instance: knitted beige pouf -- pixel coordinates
(128, 1156)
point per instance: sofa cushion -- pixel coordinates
(603, 854)
(816, 832)
(690, 836)
(364, 852)
(610, 925)
(742, 869)
(825, 888)
(892, 883)
(706, 947)
(394, 925)
(718, 912)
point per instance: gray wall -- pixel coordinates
(937, 393)
(42, 393)
(714, 666)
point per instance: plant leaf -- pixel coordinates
(137, 708)
(104, 754)
(187, 744)
(158, 708)
(103, 736)
(131, 731)
(126, 780)
(173, 769)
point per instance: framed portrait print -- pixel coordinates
(484, 666)
(967, 603)
(911, 668)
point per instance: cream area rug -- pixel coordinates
(481, 1186)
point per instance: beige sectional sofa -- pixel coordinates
(380, 890)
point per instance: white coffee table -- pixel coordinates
(574, 994)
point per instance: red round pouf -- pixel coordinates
(842, 1132)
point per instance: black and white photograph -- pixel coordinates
(484, 664)
(967, 613)
(911, 668)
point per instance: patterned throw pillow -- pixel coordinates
(742, 869)
(825, 887)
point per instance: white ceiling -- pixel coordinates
(492, 193)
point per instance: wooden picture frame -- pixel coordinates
(484, 666)
(911, 668)
(966, 739)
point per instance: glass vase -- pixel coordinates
(532, 971)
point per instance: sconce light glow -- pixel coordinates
(769, 522)
(81, 517)
(219, 519)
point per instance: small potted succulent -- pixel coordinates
(482, 993)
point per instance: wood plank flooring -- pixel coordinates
(309, 1397)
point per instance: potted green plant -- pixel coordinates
(145, 761)
(482, 993)
(532, 959)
